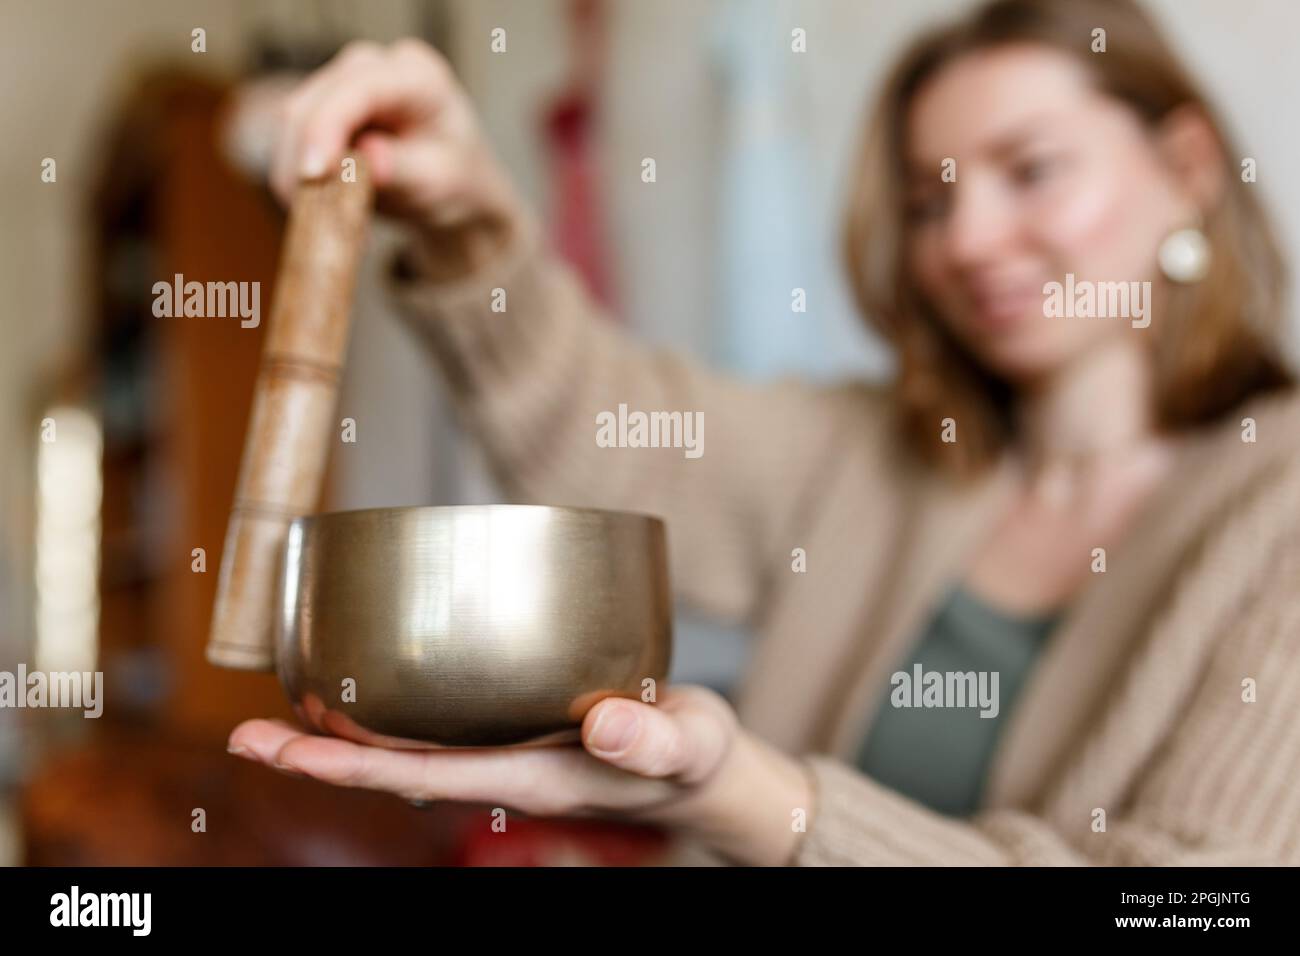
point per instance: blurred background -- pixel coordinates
(159, 155)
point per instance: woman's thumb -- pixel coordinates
(684, 737)
(421, 175)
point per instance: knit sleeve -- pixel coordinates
(1220, 791)
(546, 383)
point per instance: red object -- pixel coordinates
(534, 842)
(570, 125)
(577, 214)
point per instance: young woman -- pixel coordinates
(1099, 511)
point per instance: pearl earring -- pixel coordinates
(1184, 256)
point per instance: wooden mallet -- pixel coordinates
(285, 451)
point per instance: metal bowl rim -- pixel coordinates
(308, 520)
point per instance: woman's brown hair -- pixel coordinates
(1220, 350)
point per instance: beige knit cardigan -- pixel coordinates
(1160, 726)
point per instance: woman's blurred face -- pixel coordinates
(1052, 177)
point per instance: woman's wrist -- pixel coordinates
(756, 807)
(450, 253)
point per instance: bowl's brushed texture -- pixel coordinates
(469, 626)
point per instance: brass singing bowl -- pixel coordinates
(469, 626)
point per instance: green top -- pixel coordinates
(929, 740)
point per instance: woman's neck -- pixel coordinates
(1097, 407)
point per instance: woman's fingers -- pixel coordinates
(378, 147)
(382, 91)
(363, 85)
(299, 108)
(421, 175)
(543, 780)
(524, 778)
(261, 739)
(346, 764)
